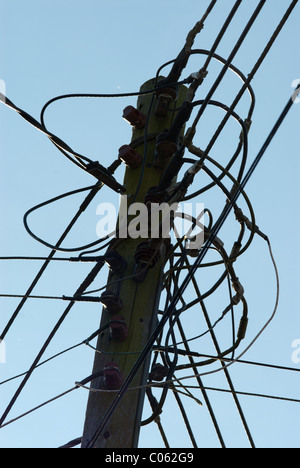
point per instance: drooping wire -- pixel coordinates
(81, 209)
(219, 223)
(79, 160)
(85, 284)
(246, 83)
(227, 63)
(267, 143)
(51, 246)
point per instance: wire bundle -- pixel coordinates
(169, 345)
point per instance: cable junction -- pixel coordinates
(175, 354)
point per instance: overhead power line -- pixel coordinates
(166, 350)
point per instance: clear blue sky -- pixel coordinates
(91, 46)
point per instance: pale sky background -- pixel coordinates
(48, 48)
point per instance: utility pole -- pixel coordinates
(134, 285)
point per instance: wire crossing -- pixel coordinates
(178, 359)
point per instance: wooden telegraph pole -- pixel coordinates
(134, 284)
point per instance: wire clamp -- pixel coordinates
(103, 175)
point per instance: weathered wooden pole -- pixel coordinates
(131, 301)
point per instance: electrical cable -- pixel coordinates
(51, 246)
(167, 81)
(228, 62)
(217, 226)
(57, 141)
(233, 361)
(153, 403)
(73, 443)
(260, 395)
(200, 297)
(35, 258)
(185, 418)
(243, 141)
(229, 206)
(235, 70)
(106, 95)
(161, 349)
(176, 162)
(175, 165)
(81, 209)
(93, 167)
(82, 384)
(179, 380)
(173, 297)
(84, 342)
(246, 83)
(203, 71)
(30, 297)
(211, 412)
(77, 385)
(215, 342)
(182, 59)
(203, 391)
(89, 279)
